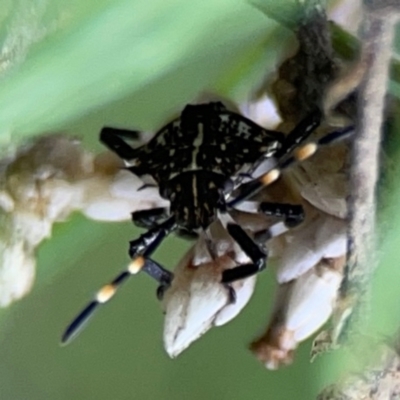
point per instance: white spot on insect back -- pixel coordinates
(197, 143)
(243, 130)
(161, 139)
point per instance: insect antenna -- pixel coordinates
(108, 291)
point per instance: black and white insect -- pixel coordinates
(200, 163)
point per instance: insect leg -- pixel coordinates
(140, 250)
(300, 133)
(148, 242)
(301, 153)
(292, 214)
(149, 218)
(108, 291)
(113, 139)
(252, 250)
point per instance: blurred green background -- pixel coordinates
(76, 66)
(120, 354)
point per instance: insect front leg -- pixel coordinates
(140, 250)
(107, 292)
(149, 218)
(113, 139)
(148, 242)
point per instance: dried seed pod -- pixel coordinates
(320, 237)
(43, 183)
(306, 299)
(197, 300)
(309, 267)
(302, 306)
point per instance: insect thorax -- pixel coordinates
(195, 197)
(194, 156)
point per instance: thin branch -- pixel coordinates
(378, 36)
(379, 380)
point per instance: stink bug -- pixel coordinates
(202, 163)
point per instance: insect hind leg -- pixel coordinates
(252, 250)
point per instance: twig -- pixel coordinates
(379, 380)
(378, 35)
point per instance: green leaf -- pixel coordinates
(64, 59)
